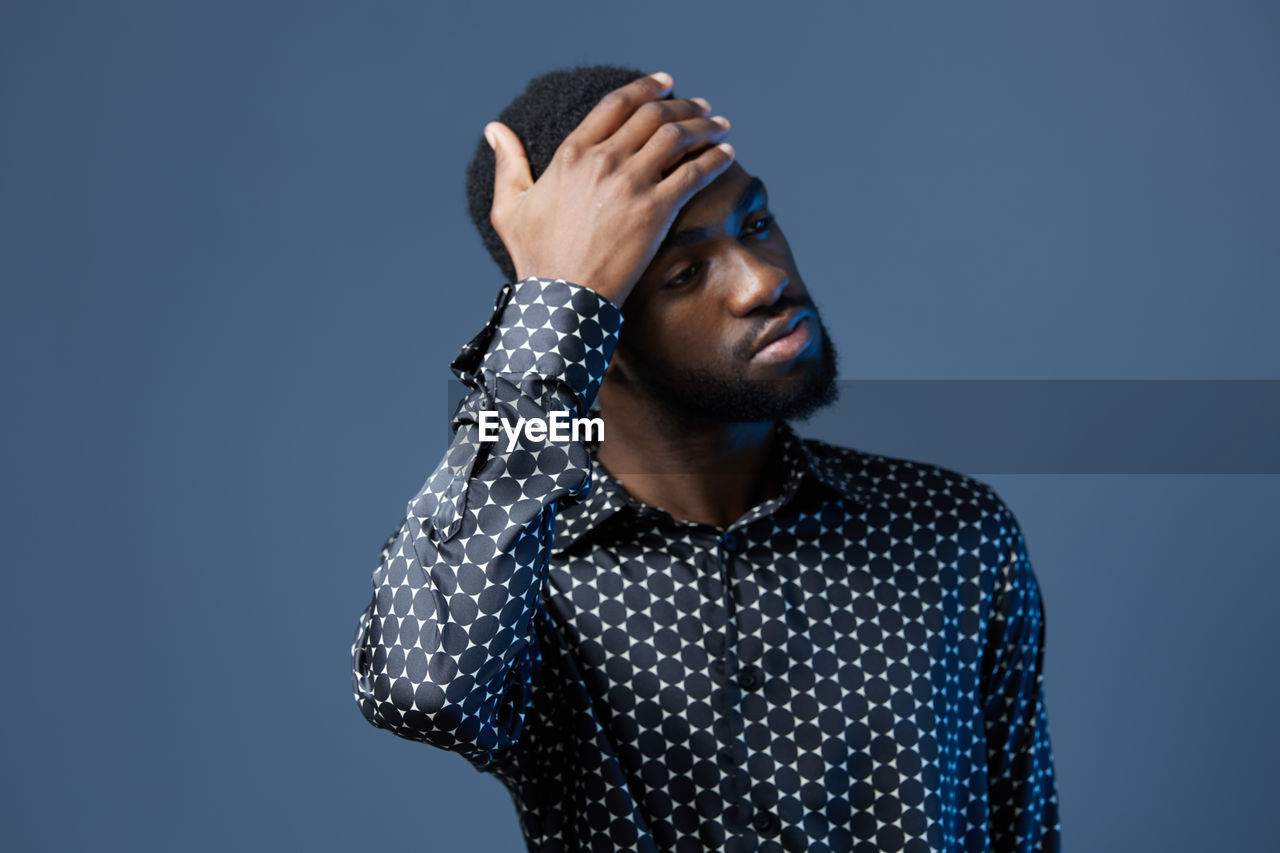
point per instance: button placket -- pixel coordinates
(739, 812)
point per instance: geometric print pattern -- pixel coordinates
(853, 665)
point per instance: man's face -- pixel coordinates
(720, 326)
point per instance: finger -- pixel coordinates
(649, 118)
(674, 140)
(695, 173)
(511, 172)
(617, 106)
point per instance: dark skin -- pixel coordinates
(707, 303)
(635, 174)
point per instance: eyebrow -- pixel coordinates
(745, 202)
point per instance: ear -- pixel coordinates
(618, 374)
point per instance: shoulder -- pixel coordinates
(927, 493)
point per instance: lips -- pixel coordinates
(785, 338)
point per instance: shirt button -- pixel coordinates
(737, 817)
(732, 542)
(750, 677)
(766, 823)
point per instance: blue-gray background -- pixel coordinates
(236, 262)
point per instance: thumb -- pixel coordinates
(512, 175)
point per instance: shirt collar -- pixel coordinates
(806, 460)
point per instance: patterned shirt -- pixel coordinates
(854, 665)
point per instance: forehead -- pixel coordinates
(716, 199)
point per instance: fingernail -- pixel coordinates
(702, 102)
(720, 120)
(664, 78)
(488, 137)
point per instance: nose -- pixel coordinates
(757, 281)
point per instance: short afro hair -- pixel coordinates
(548, 110)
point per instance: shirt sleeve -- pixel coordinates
(445, 652)
(1021, 784)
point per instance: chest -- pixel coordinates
(789, 636)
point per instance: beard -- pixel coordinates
(707, 394)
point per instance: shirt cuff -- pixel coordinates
(551, 328)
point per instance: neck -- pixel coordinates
(696, 470)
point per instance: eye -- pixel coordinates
(760, 224)
(684, 275)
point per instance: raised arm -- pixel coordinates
(445, 651)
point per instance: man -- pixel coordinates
(700, 632)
